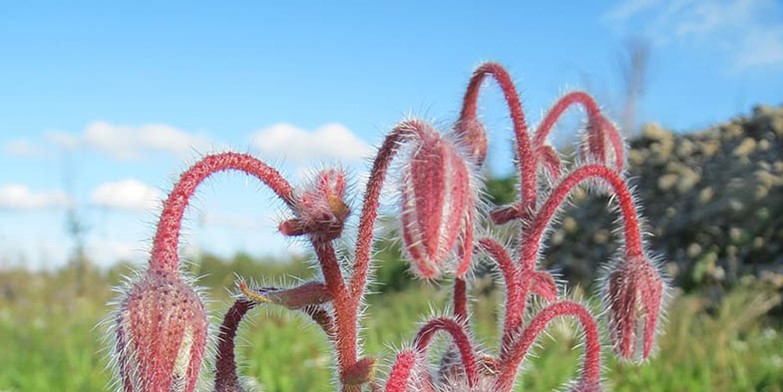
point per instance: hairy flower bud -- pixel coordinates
(470, 130)
(634, 291)
(320, 208)
(602, 144)
(437, 197)
(161, 334)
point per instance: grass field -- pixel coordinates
(49, 340)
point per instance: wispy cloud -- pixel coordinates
(125, 142)
(749, 32)
(21, 148)
(332, 141)
(20, 197)
(130, 194)
(128, 142)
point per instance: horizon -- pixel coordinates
(104, 105)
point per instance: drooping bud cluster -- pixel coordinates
(320, 208)
(161, 326)
(437, 204)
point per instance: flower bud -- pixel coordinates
(602, 144)
(161, 334)
(320, 208)
(437, 197)
(634, 291)
(471, 132)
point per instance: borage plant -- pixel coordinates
(161, 326)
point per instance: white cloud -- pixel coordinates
(16, 196)
(21, 148)
(748, 31)
(128, 194)
(327, 142)
(63, 140)
(628, 8)
(126, 142)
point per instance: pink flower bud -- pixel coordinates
(634, 291)
(602, 144)
(437, 197)
(472, 133)
(320, 208)
(161, 334)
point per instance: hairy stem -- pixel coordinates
(401, 372)
(460, 299)
(525, 152)
(593, 113)
(513, 317)
(225, 364)
(531, 242)
(164, 246)
(401, 133)
(591, 367)
(461, 339)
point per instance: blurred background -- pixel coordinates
(102, 105)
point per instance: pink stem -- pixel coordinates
(401, 133)
(401, 372)
(460, 299)
(513, 316)
(164, 246)
(461, 339)
(593, 111)
(525, 152)
(226, 378)
(345, 308)
(591, 368)
(633, 238)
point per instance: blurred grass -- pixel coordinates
(49, 340)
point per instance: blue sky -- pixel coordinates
(102, 104)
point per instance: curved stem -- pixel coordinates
(591, 367)
(401, 372)
(164, 246)
(461, 339)
(226, 378)
(513, 318)
(525, 152)
(593, 113)
(401, 133)
(531, 242)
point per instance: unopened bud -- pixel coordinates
(436, 199)
(161, 334)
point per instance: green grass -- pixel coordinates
(49, 340)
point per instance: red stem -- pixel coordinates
(401, 372)
(164, 246)
(460, 299)
(225, 364)
(345, 307)
(591, 368)
(461, 339)
(593, 111)
(513, 317)
(401, 133)
(525, 152)
(633, 238)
